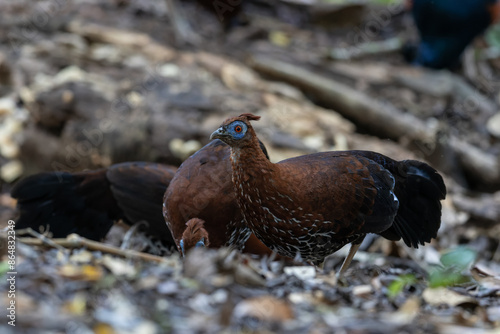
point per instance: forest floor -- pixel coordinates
(85, 84)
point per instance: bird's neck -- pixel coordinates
(249, 161)
(254, 179)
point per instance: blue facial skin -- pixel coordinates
(200, 243)
(182, 247)
(237, 129)
(233, 132)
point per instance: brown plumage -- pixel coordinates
(87, 203)
(202, 188)
(314, 204)
(194, 235)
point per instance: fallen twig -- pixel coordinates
(123, 38)
(76, 241)
(367, 49)
(483, 166)
(42, 238)
(380, 118)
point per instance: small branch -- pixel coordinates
(483, 166)
(75, 241)
(384, 119)
(444, 84)
(122, 38)
(42, 238)
(380, 118)
(367, 49)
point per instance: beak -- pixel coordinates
(219, 133)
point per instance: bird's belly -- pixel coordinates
(293, 236)
(238, 234)
(313, 249)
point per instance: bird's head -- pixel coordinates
(199, 244)
(194, 236)
(236, 131)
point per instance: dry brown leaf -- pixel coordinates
(239, 78)
(83, 256)
(81, 273)
(264, 308)
(118, 266)
(440, 296)
(362, 290)
(486, 276)
(303, 272)
(408, 311)
(102, 328)
(77, 305)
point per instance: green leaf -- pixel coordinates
(444, 278)
(460, 258)
(397, 286)
(454, 263)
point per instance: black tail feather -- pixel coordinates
(138, 188)
(55, 201)
(88, 203)
(420, 190)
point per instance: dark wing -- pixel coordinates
(354, 193)
(67, 203)
(420, 190)
(138, 188)
(88, 203)
(202, 188)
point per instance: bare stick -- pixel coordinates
(367, 49)
(42, 238)
(75, 241)
(380, 118)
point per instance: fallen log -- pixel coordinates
(386, 121)
(377, 117)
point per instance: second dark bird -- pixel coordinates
(446, 27)
(88, 203)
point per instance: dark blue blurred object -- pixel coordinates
(446, 27)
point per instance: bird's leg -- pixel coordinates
(348, 259)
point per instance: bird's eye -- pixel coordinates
(238, 128)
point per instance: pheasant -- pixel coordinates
(313, 205)
(88, 203)
(202, 189)
(193, 236)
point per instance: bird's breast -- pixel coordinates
(280, 222)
